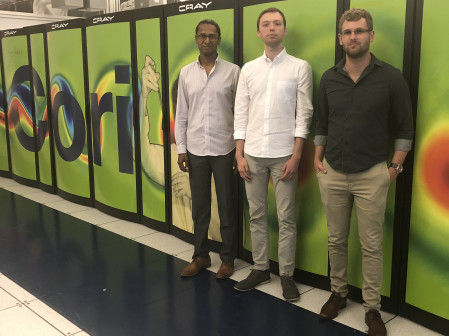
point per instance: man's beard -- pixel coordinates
(356, 53)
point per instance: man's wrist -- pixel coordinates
(398, 168)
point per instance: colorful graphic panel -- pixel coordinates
(427, 273)
(183, 50)
(20, 120)
(4, 160)
(310, 36)
(149, 65)
(66, 73)
(388, 46)
(111, 106)
(40, 107)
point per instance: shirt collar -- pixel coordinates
(279, 58)
(373, 61)
(199, 64)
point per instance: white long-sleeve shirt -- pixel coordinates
(273, 105)
(205, 109)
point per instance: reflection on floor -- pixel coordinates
(67, 269)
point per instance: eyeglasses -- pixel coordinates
(203, 37)
(357, 32)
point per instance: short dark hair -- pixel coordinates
(210, 22)
(355, 14)
(271, 10)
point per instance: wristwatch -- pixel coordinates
(397, 167)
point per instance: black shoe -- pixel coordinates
(289, 290)
(376, 326)
(255, 278)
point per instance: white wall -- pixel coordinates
(12, 20)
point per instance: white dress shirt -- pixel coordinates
(205, 109)
(273, 105)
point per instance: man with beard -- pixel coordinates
(363, 102)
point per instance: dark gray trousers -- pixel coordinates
(201, 169)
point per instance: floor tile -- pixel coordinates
(94, 216)
(7, 182)
(7, 301)
(313, 300)
(22, 189)
(240, 264)
(21, 321)
(15, 290)
(215, 262)
(354, 315)
(52, 317)
(400, 326)
(43, 197)
(165, 243)
(241, 273)
(128, 229)
(185, 255)
(66, 206)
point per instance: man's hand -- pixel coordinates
(319, 167)
(242, 166)
(393, 174)
(150, 77)
(234, 166)
(290, 168)
(183, 162)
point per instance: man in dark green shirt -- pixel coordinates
(363, 103)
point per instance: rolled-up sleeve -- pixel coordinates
(241, 108)
(304, 106)
(402, 109)
(321, 115)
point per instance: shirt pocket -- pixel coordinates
(286, 90)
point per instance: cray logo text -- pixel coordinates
(192, 7)
(9, 33)
(59, 25)
(103, 19)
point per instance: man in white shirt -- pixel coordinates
(203, 132)
(273, 111)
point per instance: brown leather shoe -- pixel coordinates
(376, 326)
(226, 270)
(195, 266)
(331, 307)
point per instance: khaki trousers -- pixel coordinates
(256, 192)
(366, 190)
